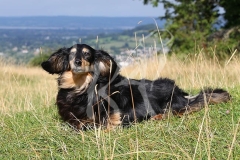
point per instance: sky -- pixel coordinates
(107, 8)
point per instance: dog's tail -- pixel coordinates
(205, 97)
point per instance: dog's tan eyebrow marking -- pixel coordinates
(85, 50)
(74, 50)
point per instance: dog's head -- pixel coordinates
(73, 66)
(75, 63)
(83, 59)
(78, 58)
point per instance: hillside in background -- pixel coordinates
(22, 37)
(71, 22)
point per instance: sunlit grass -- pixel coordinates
(189, 72)
(31, 128)
(23, 87)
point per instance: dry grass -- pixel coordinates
(22, 87)
(189, 73)
(31, 129)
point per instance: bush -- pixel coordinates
(37, 60)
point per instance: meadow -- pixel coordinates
(31, 128)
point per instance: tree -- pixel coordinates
(189, 21)
(232, 14)
(37, 60)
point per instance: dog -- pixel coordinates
(92, 92)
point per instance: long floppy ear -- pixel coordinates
(58, 62)
(106, 65)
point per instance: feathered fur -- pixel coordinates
(91, 91)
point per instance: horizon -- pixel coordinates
(79, 16)
(76, 22)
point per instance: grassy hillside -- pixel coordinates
(25, 44)
(31, 129)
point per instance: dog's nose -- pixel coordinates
(78, 62)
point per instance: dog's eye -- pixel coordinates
(86, 53)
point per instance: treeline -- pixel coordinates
(201, 24)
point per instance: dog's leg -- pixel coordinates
(167, 113)
(114, 120)
(158, 117)
(188, 110)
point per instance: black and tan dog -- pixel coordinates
(92, 92)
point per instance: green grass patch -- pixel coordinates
(39, 134)
(32, 129)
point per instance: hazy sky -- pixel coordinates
(110, 8)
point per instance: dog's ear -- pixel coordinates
(106, 65)
(58, 62)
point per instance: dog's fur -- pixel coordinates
(91, 91)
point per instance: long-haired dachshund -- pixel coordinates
(92, 92)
